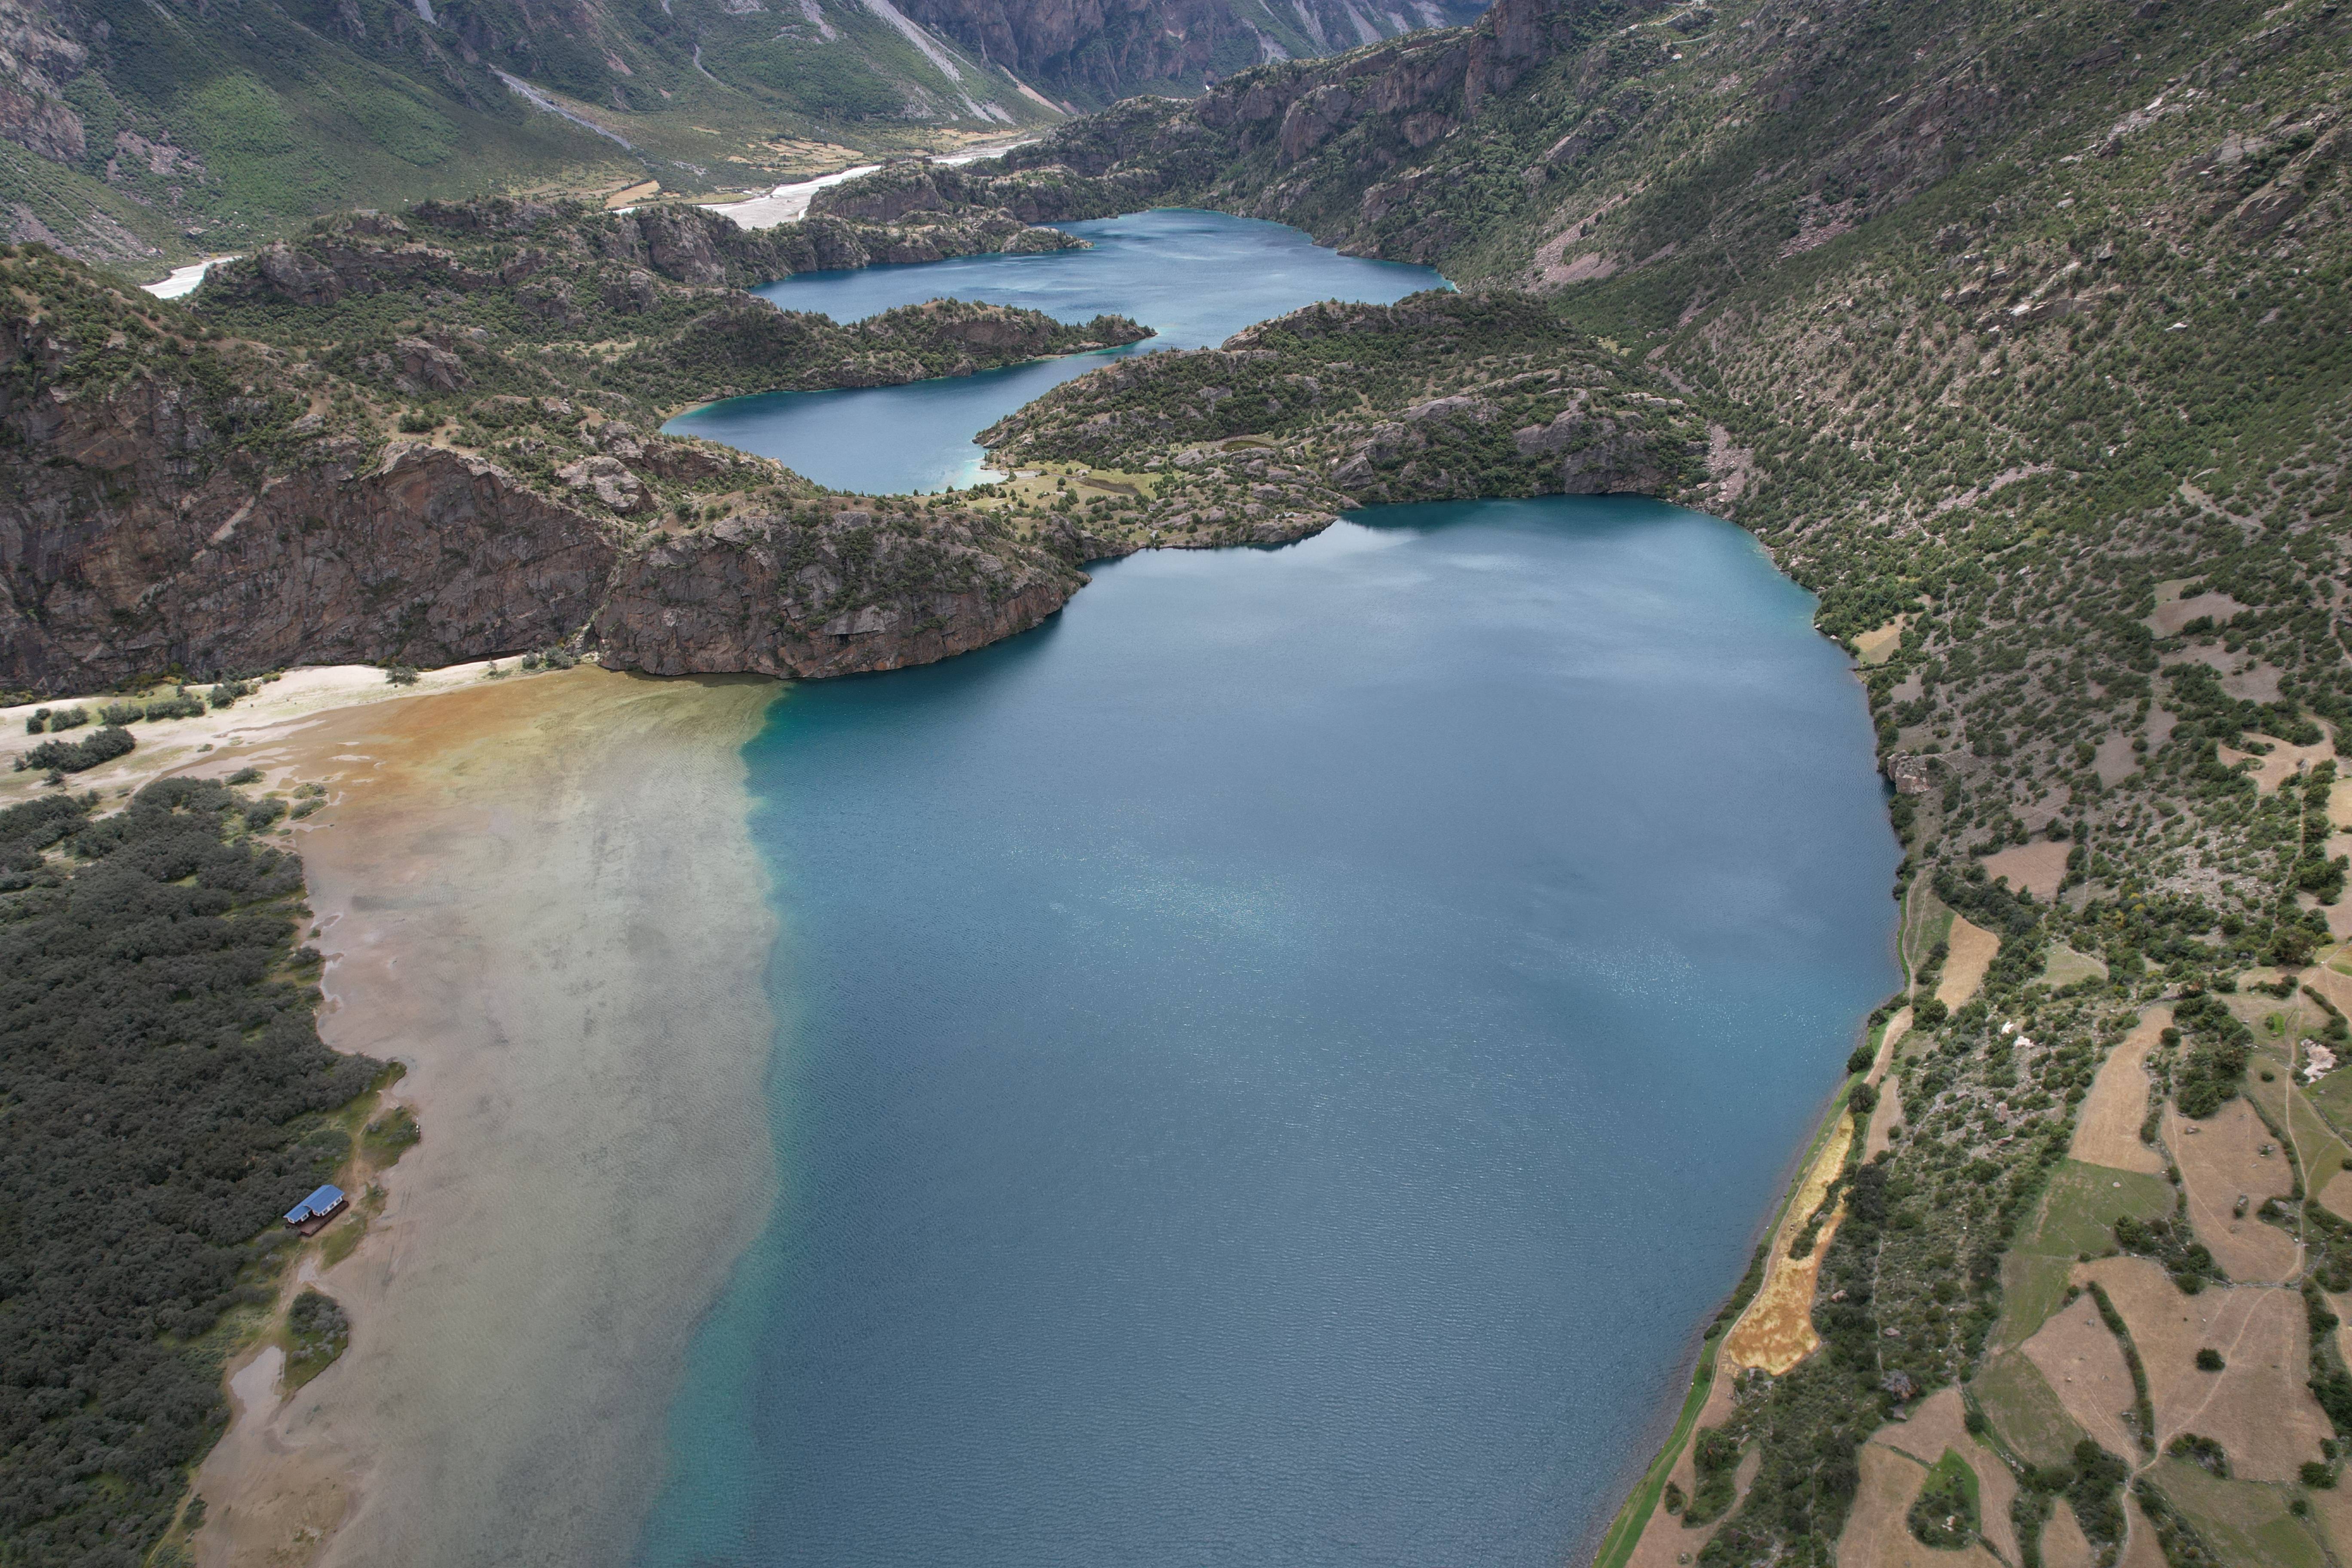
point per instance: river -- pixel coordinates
(1277, 1064)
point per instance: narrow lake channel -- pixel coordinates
(1275, 1065)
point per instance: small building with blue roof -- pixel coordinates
(312, 1213)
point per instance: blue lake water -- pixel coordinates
(1276, 1065)
(1196, 277)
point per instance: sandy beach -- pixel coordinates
(540, 895)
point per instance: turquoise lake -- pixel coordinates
(1195, 278)
(1277, 1064)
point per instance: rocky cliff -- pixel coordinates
(828, 590)
(173, 500)
(1097, 51)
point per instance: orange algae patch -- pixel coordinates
(1776, 1332)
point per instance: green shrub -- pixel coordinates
(78, 756)
(317, 1331)
(1945, 1515)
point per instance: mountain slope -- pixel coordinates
(136, 133)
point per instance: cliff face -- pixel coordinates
(1343, 148)
(173, 501)
(826, 593)
(1099, 50)
(141, 533)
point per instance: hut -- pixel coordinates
(310, 1216)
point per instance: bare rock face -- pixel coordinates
(129, 558)
(608, 478)
(844, 594)
(1597, 454)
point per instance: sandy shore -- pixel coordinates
(541, 894)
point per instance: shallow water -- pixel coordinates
(1196, 277)
(1279, 1062)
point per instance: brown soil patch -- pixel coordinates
(2256, 1408)
(2339, 803)
(2170, 618)
(2220, 1162)
(1971, 954)
(2283, 762)
(2114, 1111)
(1897, 1028)
(2063, 1544)
(2332, 1511)
(2140, 1547)
(1884, 1118)
(1878, 643)
(1940, 1423)
(1877, 1534)
(2041, 865)
(2085, 1368)
(1776, 1331)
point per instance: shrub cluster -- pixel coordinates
(162, 1084)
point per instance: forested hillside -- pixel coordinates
(164, 1089)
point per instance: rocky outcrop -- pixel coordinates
(128, 548)
(472, 247)
(1476, 394)
(833, 592)
(171, 503)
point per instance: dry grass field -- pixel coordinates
(2029, 1417)
(2257, 1407)
(2084, 1368)
(1877, 1533)
(1973, 950)
(2223, 1160)
(2041, 865)
(1938, 1425)
(2107, 1130)
(1776, 1331)
(2063, 1544)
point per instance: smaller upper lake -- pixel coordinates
(1195, 278)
